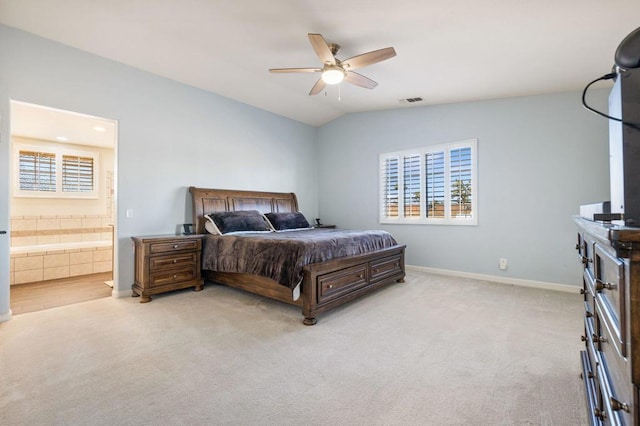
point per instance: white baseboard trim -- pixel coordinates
(6, 316)
(121, 294)
(496, 279)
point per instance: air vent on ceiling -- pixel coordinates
(410, 100)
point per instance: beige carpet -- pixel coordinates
(433, 351)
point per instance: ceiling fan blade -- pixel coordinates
(318, 87)
(295, 70)
(359, 80)
(369, 58)
(322, 49)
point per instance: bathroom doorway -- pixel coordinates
(62, 207)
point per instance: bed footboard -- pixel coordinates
(330, 284)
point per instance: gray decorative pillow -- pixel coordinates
(240, 221)
(285, 221)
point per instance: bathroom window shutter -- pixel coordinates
(37, 171)
(77, 174)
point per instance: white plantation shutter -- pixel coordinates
(53, 171)
(460, 179)
(389, 174)
(438, 185)
(435, 187)
(411, 179)
(77, 174)
(37, 171)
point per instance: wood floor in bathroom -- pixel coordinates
(50, 294)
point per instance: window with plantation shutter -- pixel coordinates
(54, 172)
(37, 171)
(438, 185)
(389, 185)
(434, 183)
(411, 179)
(77, 174)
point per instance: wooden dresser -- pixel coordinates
(166, 262)
(611, 288)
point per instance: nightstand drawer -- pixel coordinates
(157, 279)
(173, 261)
(171, 246)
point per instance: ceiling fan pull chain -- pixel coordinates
(339, 85)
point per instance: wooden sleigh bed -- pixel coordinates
(325, 285)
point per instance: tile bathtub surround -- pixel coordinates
(42, 266)
(38, 230)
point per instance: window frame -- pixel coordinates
(421, 219)
(59, 153)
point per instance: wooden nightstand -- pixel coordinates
(166, 262)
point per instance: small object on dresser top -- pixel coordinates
(588, 211)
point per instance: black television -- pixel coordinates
(624, 147)
(624, 131)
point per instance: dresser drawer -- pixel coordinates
(175, 245)
(173, 261)
(385, 267)
(334, 284)
(589, 285)
(591, 340)
(610, 302)
(587, 255)
(612, 375)
(163, 278)
(591, 393)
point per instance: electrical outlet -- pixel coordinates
(503, 263)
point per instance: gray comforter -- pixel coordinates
(282, 255)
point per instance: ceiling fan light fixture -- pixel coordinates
(333, 75)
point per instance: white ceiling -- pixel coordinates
(38, 122)
(447, 51)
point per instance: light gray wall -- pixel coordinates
(170, 136)
(539, 159)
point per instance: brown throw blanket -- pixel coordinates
(282, 255)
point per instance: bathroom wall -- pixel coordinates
(55, 238)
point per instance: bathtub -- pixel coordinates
(60, 246)
(45, 262)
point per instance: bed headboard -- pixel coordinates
(206, 200)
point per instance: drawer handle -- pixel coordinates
(175, 260)
(586, 260)
(175, 246)
(375, 271)
(598, 339)
(617, 405)
(330, 285)
(174, 276)
(588, 314)
(362, 276)
(577, 246)
(601, 285)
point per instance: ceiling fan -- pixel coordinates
(334, 70)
